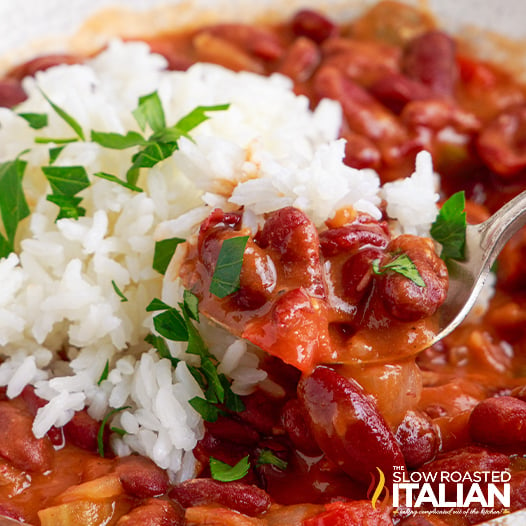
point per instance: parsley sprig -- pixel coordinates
(449, 228)
(403, 265)
(226, 276)
(224, 472)
(13, 204)
(177, 324)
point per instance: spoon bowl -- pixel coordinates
(484, 243)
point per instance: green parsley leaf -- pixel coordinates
(66, 117)
(150, 111)
(13, 204)
(69, 206)
(148, 157)
(54, 153)
(117, 141)
(171, 325)
(233, 401)
(266, 456)
(197, 116)
(66, 180)
(191, 304)
(105, 373)
(119, 292)
(227, 473)
(37, 121)
(100, 434)
(115, 179)
(156, 304)
(208, 411)
(55, 140)
(403, 265)
(449, 228)
(225, 279)
(164, 250)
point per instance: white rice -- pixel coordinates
(267, 151)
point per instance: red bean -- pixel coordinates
(313, 25)
(430, 59)
(438, 114)
(297, 428)
(360, 152)
(255, 40)
(350, 238)
(405, 299)
(257, 279)
(300, 60)
(41, 63)
(11, 93)
(499, 421)
(347, 425)
(466, 460)
(154, 512)
(141, 477)
(395, 90)
(244, 498)
(362, 61)
(295, 239)
(82, 431)
(356, 274)
(501, 143)
(418, 439)
(17, 442)
(226, 428)
(363, 113)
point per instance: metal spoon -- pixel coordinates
(484, 243)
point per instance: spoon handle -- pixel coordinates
(500, 227)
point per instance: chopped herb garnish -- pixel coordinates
(66, 117)
(55, 140)
(157, 304)
(69, 206)
(403, 265)
(115, 179)
(37, 121)
(191, 304)
(208, 411)
(449, 228)
(164, 250)
(225, 279)
(66, 180)
(105, 373)
(54, 153)
(119, 292)
(266, 456)
(150, 112)
(116, 141)
(100, 434)
(225, 472)
(171, 325)
(13, 204)
(177, 325)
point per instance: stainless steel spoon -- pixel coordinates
(484, 243)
